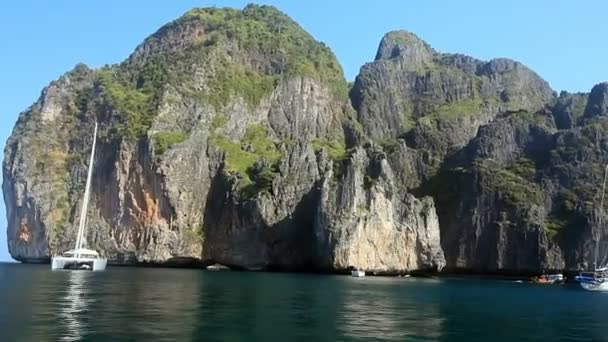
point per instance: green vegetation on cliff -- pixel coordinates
(452, 111)
(253, 157)
(564, 214)
(513, 184)
(165, 140)
(335, 149)
(135, 104)
(241, 54)
(232, 79)
(50, 171)
(265, 31)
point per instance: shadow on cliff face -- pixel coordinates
(106, 184)
(294, 243)
(214, 216)
(480, 230)
(237, 234)
(575, 238)
(489, 227)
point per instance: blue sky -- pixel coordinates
(564, 41)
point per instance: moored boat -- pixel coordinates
(556, 278)
(357, 273)
(217, 267)
(594, 281)
(81, 258)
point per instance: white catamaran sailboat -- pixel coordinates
(81, 258)
(598, 279)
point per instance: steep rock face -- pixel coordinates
(598, 101)
(523, 196)
(406, 47)
(35, 168)
(514, 170)
(218, 139)
(409, 81)
(490, 188)
(569, 109)
(366, 220)
(435, 101)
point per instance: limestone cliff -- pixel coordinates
(366, 212)
(225, 137)
(515, 170)
(231, 136)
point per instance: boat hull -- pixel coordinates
(358, 274)
(593, 286)
(87, 264)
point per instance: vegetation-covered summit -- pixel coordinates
(216, 55)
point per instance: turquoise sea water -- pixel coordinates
(153, 304)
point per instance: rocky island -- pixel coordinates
(232, 137)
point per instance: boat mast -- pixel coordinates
(597, 238)
(85, 203)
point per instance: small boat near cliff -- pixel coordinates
(217, 267)
(594, 281)
(81, 258)
(556, 278)
(357, 273)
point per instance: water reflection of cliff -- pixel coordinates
(389, 309)
(266, 307)
(24, 297)
(279, 307)
(150, 304)
(191, 305)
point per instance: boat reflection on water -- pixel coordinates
(74, 306)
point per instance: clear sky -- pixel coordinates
(564, 41)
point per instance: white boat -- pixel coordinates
(603, 286)
(594, 281)
(597, 280)
(357, 273)
(218, 267)
(81, 258)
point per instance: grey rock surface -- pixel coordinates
(248, 179)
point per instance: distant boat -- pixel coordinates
(594, 281)
(597, 280)
(556, 278)
(217, 267)
(357, 273)
(81, 258)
